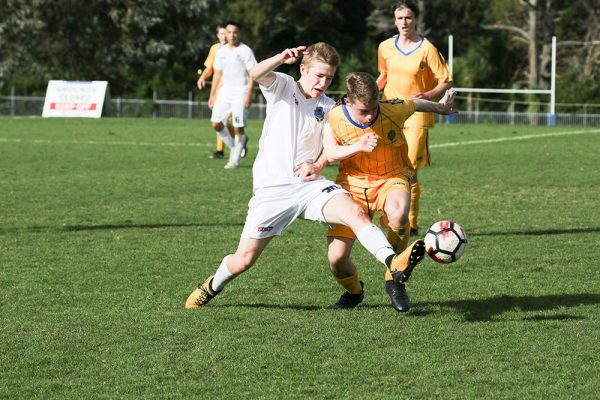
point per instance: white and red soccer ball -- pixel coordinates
(445, 241)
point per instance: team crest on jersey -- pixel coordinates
(391, 135)
(422, 65)
(319, 113)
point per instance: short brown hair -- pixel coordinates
(361, 86)
(411, 5)
(322, 52)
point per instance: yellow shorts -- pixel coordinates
(372, 200)
(418, 146)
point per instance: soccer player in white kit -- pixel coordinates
(233, 61)
(287, 182)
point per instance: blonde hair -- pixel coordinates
(361, 86)
(322, 52)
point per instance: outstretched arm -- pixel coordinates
(263, 71)
(434, 93)
(445, 106)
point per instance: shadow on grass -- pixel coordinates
(103, 227)
(541, 232)
(482, 310)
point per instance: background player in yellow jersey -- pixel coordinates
(207, 73)
(367, 138)
(411, 67)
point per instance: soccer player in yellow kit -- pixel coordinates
(411, 67)
(207, 73)
(367, 138)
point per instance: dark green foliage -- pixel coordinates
(141, 47)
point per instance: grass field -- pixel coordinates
(107, 225)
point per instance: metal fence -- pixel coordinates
(156, 108)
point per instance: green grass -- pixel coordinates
(107, 225)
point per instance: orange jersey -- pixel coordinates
(389, 159)
(419, 70)
(210, 60)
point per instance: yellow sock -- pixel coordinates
(398, 238)
(415, 196)
(220, 145)
(351, 284)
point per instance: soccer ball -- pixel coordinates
(445, 241)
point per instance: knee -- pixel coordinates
(357, 213)
(397, 217)
(217, 125)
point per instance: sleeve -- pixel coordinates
(437, 64)
(381, 64)
(408, 110)
(276, 90)
(210, 59)
(249, 59)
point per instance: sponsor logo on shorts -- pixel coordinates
(331, 188)
(265, 228)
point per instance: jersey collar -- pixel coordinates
(349, 118)
(410, 52)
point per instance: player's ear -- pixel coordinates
(303, 69)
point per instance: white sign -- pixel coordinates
(74, 99)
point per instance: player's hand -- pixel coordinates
(247, 102)
(447, 103)
(211, 102)
(201, 83)
(367, 142)
(290, 56)
(307, 171)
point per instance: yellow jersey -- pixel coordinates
(419, 70)
(210, 60)
(389, 159)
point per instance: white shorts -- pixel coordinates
(273, 209)
(222, 109)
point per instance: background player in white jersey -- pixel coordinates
(286, 174)
(207, 73)
(233, 60)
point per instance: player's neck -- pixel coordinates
(306, 95)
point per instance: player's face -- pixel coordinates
(222, 35)
(316, 78)
(233, 34)
(363, 113)
(405, 21)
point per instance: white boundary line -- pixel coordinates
(512, 138)
(181, 144)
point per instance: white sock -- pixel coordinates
(227, 139)
(222, 276)
(373, 239)
(236, 151)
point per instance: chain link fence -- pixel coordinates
(14, 105)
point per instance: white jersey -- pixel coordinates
(292, 132)
(234, 63)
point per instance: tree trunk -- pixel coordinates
(422, 24)
(546, 57)
(533, 60)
